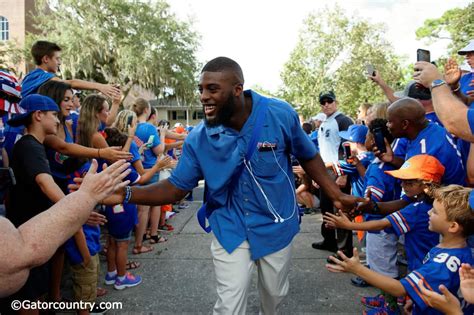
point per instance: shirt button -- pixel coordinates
(246, 213)
(246, 199)
(248, 229)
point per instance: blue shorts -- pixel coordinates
(122, 238)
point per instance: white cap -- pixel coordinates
(178, 125)
(320, 117)
(468, 48)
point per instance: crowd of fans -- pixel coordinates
(49, 140)
(411, 163)
(410, 158)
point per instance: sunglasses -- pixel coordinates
(324, 102)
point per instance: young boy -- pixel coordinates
(35, 190)
(451, 217)
(47, 57)
(419, 174)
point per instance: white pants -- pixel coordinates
(233, 274)
(382, 253)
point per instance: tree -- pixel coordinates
(456, 25)
(128, 42)
(331, 54)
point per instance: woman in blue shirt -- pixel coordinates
(146, 134)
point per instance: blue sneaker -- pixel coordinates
(382, 311)
(110, 280)
(129, 281)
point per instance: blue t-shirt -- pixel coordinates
(122, 218)
(74, 117)
(34, 80)
(412, 221)
(435, 140)
(382, 186)
(431, 116)
(357, 182)
(440, 266)
(464, 84)
(314, 137)
(214, 153)
(92, 233)
(142, 135)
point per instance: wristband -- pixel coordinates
(128, 194)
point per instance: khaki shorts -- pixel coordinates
(85, 280)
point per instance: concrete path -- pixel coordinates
(178, 276)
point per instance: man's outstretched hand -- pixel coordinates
(101, 185)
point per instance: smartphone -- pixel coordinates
(379, 140)
(370, 70)
(423, 55)
(129, 120)
(347, 152)
(149, 143)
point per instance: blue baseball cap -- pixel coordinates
(355, 133)
(31, 104)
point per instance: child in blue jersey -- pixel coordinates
(453, 218)
(419, 174)
(355, 165)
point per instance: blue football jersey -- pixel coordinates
(440, 266)
(382, 186)
(435, 140)
(357, 182)
(412, 221)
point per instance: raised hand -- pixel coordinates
(100, 185)
(466, 274)
(336, 221)
(425, 73)
(452, 73)
(346, 264)
(446, 302)
(114, 154)
(111, 91)
(96, 218)
(164, 162)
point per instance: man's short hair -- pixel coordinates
(43, 48)
(221, 64)
(455, 200)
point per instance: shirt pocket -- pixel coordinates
(266, 164)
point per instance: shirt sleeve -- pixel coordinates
(134, 152)
(399, 147)
(404, 220)
(343, 122)
(188, 172)
(34, 159)
(470, 119)
(433, 274)
(342, 168)
(376, 186)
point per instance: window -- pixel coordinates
(177, 115)
(198, 115)
(4, 30)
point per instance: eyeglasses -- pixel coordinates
(323, 103)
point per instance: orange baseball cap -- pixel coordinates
(179, 129)
(422, 167)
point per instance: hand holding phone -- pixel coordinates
(379, 140)
(370, 70)
(423, 55)
(149, 143)
(347, 152)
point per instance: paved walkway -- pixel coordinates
(178, 276)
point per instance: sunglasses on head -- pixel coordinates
(324, 102)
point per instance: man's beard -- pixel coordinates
(224, 114)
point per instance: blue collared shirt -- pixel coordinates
(215, 153)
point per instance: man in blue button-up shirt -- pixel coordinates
(255, 220)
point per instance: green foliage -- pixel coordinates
(129, 42)
(11, 56)
(456, 24)
(331, 54)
